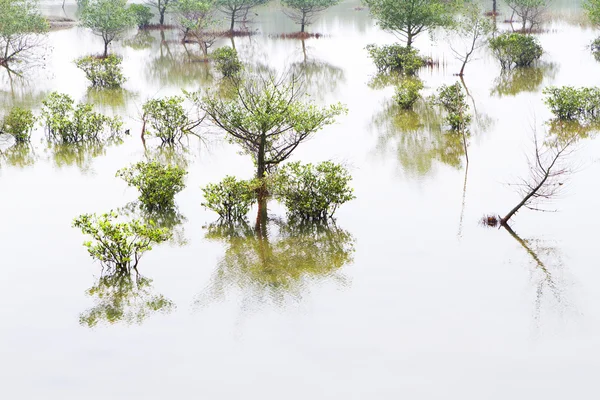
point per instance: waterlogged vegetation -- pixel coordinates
(189, 187)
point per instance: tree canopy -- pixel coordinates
(109, 19)
(304, 12)
(408, 18)
(237, 10)
(20, 21)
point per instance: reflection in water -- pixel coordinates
(109, 99)
(564, 131)
(417, 137)
(278, 266)
(141, 41)
(517, 80)
(548, 287)
(123, 297)
(171, 154)
(19, 155)
(18, 91)
(170, 219)
(79, 154)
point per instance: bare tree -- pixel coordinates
(528, 11)
(473, 28)
(547, 172)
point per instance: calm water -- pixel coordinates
(407, 296)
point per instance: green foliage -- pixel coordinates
(313, 192)
(102, 71)
(569, 103)
(20, 20)
(453, 100)
(118, 245)
(158, 184)
(167, 119)
(409, 18)
(230, 198)
(236, 10)
(109, 19)
(592, 10)
(228, 63)
(18, 123)
(407, 93)
(121, 297)
(396, 58)
(515, 50)
(528, 11)
(595, 47)
(142, 14)
(304, 12)
(268, 120)
(68, 123)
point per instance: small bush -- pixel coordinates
(102, 72)
(569, 103)
(230, 198)
(313, 192)
(396, 58)
(407, 93)
(68, 123)
(142, 14)
(158, 184)
(515, 50)
(18, 123)
(595, 47)
(166, 118)
(453, 100)
(118, 245)
(227, 61)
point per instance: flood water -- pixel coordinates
(405, 296)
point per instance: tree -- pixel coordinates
(195, 17)
(528, 11)
(268, 119)
(109, 19)
(237, 10)
(547, 174)
(473, 27)
(304, 12)
(592, 9)
(162, 6)
(20, 28)
(409, 18)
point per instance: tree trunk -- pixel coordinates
(161, 19)
(409, 39)
(494, 7)
(303, 22)
(106, 48)
(231, 26)
(504, 221)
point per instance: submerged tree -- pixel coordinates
(304, 12)
(237, 10)
(547, 174)
(20, 28)
(409, 18)
(473, 27)
(195, 18)
(529, 11)
(109, 19)
(162, 6)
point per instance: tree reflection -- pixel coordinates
(123, 297)
(141, 41)
(279, 263)
(79, 154)
(109, 99)
(171, 219)
(417, 137)
(18, 155)
(517, 80)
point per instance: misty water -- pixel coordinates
(406, 295)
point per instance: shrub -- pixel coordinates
(396, 58)
(515, 50)
(569, 103)
(142, 14)
(595, 47)
(228, 63)
(230, 198)
(102, 71)
(118, 245)
(407, 92)
(453, 100)
(19, 123)
(313, 192)
(166, 118)
(71, 124)
(158, 184)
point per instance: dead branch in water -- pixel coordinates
(547, 172)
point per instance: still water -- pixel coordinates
(405, 296)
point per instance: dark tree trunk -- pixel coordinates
(231, 26)
(106, 48)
